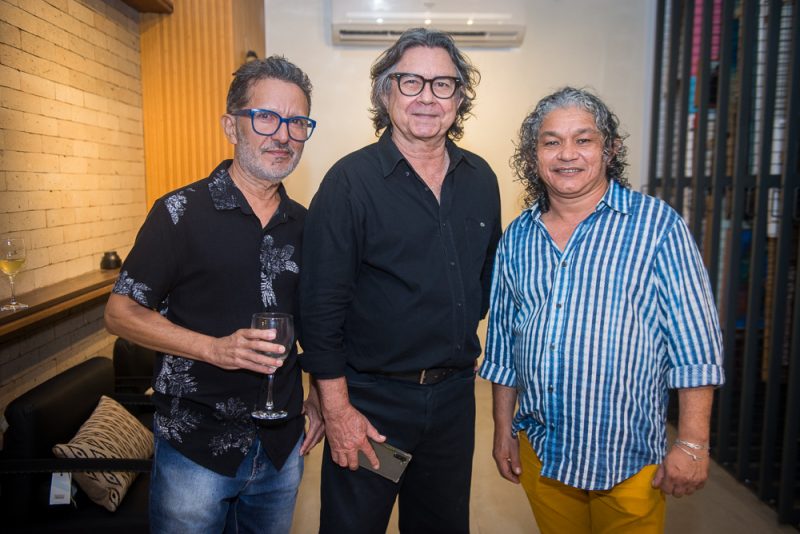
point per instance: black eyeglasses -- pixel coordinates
(412, 84)
(266, 122)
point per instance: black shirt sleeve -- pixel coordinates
(150, 266)
(330, 264)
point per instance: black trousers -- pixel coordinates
(436, 424)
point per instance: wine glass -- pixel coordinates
(283, 325)
(12, 257)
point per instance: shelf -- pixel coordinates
(57, 298)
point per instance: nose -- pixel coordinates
(282, 135)
(427, 91)
(568, 151)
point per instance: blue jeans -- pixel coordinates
(188, 498)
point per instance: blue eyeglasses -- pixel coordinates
(266, 122)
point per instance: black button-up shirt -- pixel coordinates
(203, 260)
(394, 281)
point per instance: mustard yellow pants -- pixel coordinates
(630, 507)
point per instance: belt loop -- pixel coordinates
(422, 376)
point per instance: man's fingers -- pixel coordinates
(369, 452)
(313, 436)
(374, 435)
(507, 470)
(659, 477)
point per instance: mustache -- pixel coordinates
(277, 145)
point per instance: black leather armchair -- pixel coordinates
(133, 366)
(51, 413)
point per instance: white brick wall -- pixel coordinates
(71, 163)
(71, 133)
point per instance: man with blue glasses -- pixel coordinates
(399, 245)
(209, 256)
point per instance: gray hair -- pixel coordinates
(386, 63)
(274, 67)
(525, 160)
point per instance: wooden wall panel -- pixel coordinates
(188, 58)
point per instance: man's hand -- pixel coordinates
(316, 424)
(243, 350)
(506, 455)
(506, 445)
(680, 474)
(347, 431)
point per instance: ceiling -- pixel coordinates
(151, 6)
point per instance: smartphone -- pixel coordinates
(393, 460)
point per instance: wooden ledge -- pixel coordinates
(48, 301)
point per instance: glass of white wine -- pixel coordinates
(12, 258)
(283, 324)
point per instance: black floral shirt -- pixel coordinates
(203, 261)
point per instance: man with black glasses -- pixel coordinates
(398, 251)
(207, 258)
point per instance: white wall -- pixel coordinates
(602, 44)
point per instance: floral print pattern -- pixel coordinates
(125, 285)
(176, 206)
(238, 433)
(179, 422)
(223, 191)
(274, 261)
(174, 378)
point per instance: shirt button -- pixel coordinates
(563, 264)
(558, 306)
(408, 173)
(552, 426)
(458, 347)
(552, 346)
(458, 304)
(550, 388)
(444, 225)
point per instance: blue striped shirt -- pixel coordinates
(593, 336)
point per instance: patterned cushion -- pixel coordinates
(110, 432)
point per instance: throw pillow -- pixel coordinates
(110, 432)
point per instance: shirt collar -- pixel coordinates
(616, 197)
(390, 155)
(226, 196)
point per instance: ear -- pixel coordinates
(228, 123)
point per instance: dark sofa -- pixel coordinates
(51, 413)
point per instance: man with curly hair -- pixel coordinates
(398, 250)
(600, 303)
(209, 256)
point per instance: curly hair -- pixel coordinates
(274, 67)
(525, 160)
(387, 62)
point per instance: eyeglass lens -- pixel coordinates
(267, 123)
(413, 84)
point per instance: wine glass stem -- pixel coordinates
(270, 378)
(13, 295)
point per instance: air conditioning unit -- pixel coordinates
(480, 23)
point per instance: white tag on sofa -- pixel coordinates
(61, 488)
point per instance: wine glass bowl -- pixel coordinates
(283, 325)
(12, 258)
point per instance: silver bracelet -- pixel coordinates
(695, 446)
(693, 455)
